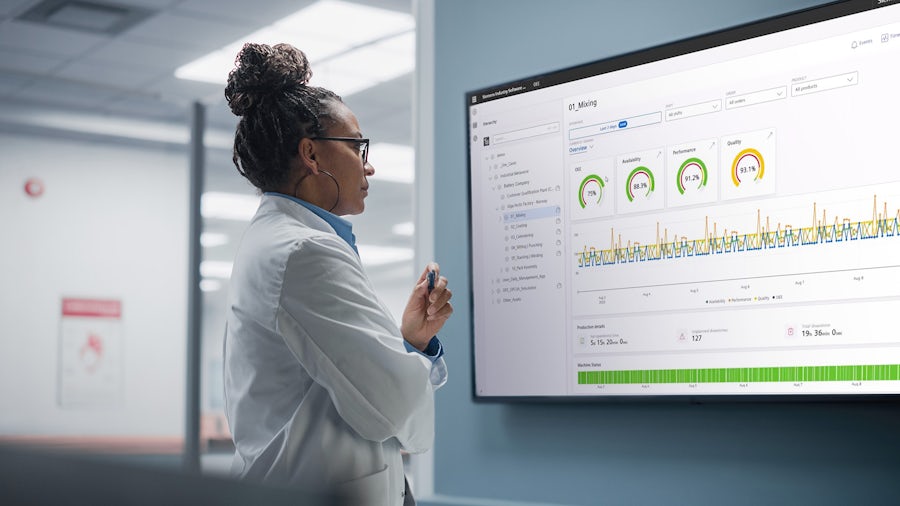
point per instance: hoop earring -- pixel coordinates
(338, 198)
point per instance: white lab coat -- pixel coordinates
(320, 391)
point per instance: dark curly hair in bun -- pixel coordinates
(267, 89)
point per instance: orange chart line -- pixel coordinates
(822, 230)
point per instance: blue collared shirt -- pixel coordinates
(344, 230)
(342, 227)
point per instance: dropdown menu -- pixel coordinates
(756, 97)
(688, 111)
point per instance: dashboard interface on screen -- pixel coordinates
(720, 222)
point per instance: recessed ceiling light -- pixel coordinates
(373, 45)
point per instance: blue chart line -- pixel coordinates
(822, 231)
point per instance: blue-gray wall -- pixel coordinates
(811, 453)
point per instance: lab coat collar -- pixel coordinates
(342, 227)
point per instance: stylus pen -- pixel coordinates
(430, 281)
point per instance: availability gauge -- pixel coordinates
(748, 166)
(639, 183)
(692, 175)
(590, 193)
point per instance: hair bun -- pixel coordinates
(262, 71)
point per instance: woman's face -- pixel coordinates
(342, 160)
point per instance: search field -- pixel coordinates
(524, 133)
(825, 84)
(756, 97)
(693, 110)
(614, 126)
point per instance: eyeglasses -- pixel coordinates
(361, 144)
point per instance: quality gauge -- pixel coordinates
(590, 193)
(748, 166)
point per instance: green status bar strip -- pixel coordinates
(889, 372)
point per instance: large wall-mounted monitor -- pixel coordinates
(714, 217)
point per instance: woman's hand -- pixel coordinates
(426, 312)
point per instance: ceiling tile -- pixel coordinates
(22, 61)
(394, 5)
(189, 31)
(145, 54)
(152, 108)
(10, 8)
(114, 76)
(10, 84)
(263, 13)
(51, 41)
(148, 4)
(175, 89)
(51, 92)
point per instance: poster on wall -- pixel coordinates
(90, 353)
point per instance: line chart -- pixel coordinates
(822, 230)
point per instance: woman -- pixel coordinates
(322, 388)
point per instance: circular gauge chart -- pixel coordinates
(590, 193)
(639, 184)
(692, 175)
(748, 166)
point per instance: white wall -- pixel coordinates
(112, 223)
